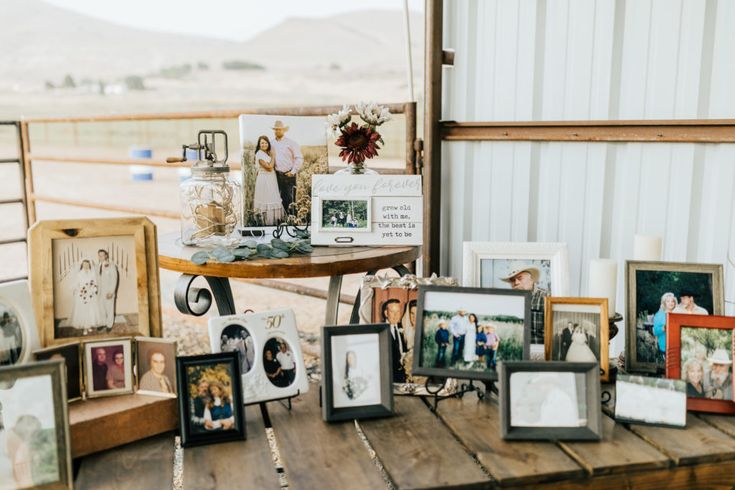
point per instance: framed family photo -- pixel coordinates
(279, 156)
(18, 332)
(540, 268)
(651, 401)
(655, 289)
(71, 354)
(95, 278)
(155, 366)
(210, 399)
(577, 331)
(34, 427)
(465, 332)
(356, 370)
(108, 367)
(699, 350)
(550, 401)
(340, 214)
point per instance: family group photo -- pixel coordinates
(338, 214)
(706, 362)
(279, 156)
(471, 331)
(658, 293)
(95, 286)
(355, 370)
(11, 336)
(236, 338)
(279, 362)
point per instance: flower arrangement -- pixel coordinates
(358, 142)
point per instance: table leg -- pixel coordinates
(197, 301)
(335, 286)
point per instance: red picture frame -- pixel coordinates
(674, 323)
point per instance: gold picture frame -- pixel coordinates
(142, 232)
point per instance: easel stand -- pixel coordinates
(434, 389)
(285, 402)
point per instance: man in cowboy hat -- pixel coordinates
(524, 278)
(687, 305)
(720, 378)
(288, 162)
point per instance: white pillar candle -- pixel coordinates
(646, 248)
(603, 282)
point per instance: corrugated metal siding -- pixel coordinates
(591, 59)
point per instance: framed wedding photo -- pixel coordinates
(700, 351)
(651, 401)
(155, 366)
(654, 289)
(71, 354)
(95, 278)
(550, 401)
(18, 332)
(108, 367)
(465, 332)
(540, 268)
(356, 368)
(34, 423)
(210, 399)
(577, 331)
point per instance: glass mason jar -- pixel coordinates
(211, 207)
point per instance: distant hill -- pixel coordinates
(43, 42)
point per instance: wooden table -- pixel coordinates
(323, 261)
(458, 447)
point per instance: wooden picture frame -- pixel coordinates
(591, 431)
(227, 361)
(74, 376)
(382, 364)
(143, 360)
(602, 334)
(632, 269)
(18, 320)
(675, 324)
(92, 389)
(10, 376)
(419, 367)
(42, 259)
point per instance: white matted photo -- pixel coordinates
(547, 399)
(654, 401)
(18, 333)
(271, 361)
(279, 156)
(356, 370)
(108, 367)
(340, 214)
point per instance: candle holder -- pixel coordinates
(612, 332)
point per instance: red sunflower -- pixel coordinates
(358, 143)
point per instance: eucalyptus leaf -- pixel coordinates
(242, 253)
(279, 254)
(262, 247)
(200, 258)
(279, 244)
(250, 243)
(220, 252)
(226, 258)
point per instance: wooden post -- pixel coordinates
(24, 153)
(432, 170)
(409, 113)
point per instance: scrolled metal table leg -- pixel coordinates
(197, 301)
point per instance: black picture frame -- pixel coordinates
(383, 409)
(188, 438)
(72, 354)
(460, 373)
(592, 431)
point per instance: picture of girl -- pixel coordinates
(470, 347)
(267, 200)
(218, 413)
(355, 382)
(668, 304)
(86, 313)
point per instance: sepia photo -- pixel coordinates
(108, 367)
(279, 156)
(237, 338)
(654, 401)
(156, 366)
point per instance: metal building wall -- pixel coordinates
(591, 59)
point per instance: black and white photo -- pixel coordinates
(18, 334)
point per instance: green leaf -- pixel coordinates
(250, 243)
(200, 258)
(279, 254)
(220, 252)
(279, 244)
(262, 247)
(242, 253)
(226, 258)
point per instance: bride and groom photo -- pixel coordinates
(279, 156)
(576, 336)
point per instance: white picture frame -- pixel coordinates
(265, 330)
(16, 301)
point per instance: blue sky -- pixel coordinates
(227, 19)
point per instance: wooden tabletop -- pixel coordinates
(458, 447)
(323, 261)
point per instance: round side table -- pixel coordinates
(323, 261)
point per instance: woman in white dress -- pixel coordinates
(267, 198)
(579, 351)
(469, 354)
(85, 312)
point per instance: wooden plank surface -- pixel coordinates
(726, 423)
(698, 443)
(619, 451)
(418, 451)
(237, 464)
(316, 454)
(477, 424)
(104, 423)
(140, 465)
